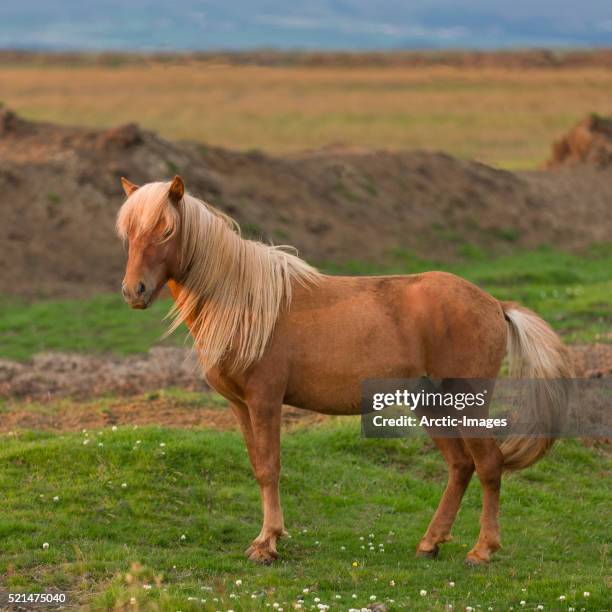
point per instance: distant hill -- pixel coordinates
(318, 24)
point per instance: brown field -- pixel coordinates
(503, 117)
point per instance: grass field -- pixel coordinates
(157, 518)
(571, 292)
(114, 512)
(508, 118)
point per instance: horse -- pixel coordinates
(270, 330)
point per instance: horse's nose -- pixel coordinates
(135, 292)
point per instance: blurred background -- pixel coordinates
(376, 137)
(391, 138)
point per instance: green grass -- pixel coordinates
(337, 489)
(571, 292)
(102, 324)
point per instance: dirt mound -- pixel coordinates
(34, 392)
(592, 360)
(160, 410)
(49, 376)
(61, 191)
(588, 142)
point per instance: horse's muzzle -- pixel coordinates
(138, 296)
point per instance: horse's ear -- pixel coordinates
(128, 186)
(177, 190)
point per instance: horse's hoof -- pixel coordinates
(428, 554)
(261, 554)
(475, 560)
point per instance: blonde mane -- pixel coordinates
(233, 289)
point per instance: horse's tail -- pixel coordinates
(536, 351)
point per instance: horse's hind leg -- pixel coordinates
(460, 470)
(489, 463)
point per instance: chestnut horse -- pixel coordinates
(270, 329)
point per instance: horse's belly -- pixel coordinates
(334, 386)
(346, 401)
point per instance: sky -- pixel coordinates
(180, 25)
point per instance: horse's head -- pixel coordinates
(148, 222)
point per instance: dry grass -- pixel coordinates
(503, 117)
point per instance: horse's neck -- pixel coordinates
(175, 289)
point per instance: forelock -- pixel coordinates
(143, 211)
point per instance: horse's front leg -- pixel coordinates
(260, 423)
(241, 413)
